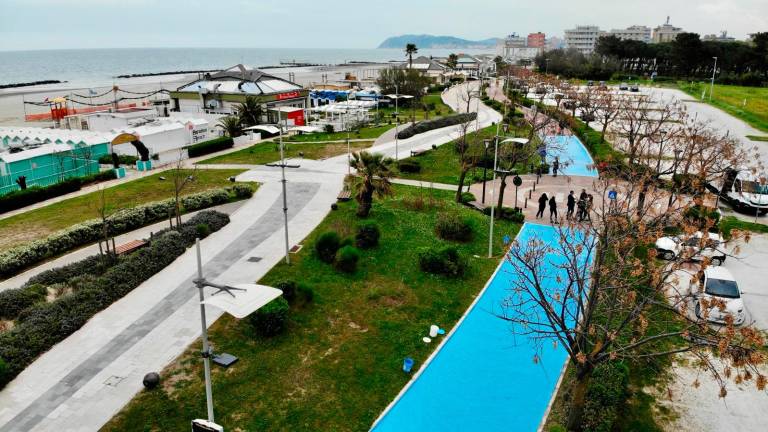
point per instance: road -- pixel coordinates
(84, 380)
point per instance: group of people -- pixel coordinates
(584, 205)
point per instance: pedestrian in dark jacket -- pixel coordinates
(571, 204)
(555, 166)
(542, 205)
(552, 210)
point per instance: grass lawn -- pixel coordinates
(731, 100)
(441, 165)
(41, 222)
(269, 151)
(441, 109)
(757, 138)
(730, 223)
(339, 363)
(368, 132)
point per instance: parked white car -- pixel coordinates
(693, 247)
(718, 285)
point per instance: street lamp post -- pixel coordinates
(285, 195)
(674, 173)
(485, 166)
(397, 119)
(712, 85)
(493, 190)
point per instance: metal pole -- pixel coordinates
(349, 156)
(493, 190)
(485, 164)
(206, 349)
(712, 85)
(285, 197)
(397, 117)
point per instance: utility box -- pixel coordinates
(200, 425)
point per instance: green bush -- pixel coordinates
(606, 392)
(467, 197)
(13, 301)
(202, 230)
(451, 226)
(327, 245)
(35, 194)
(306, 293)
(271, 319)
(557, 428)
(123, 159)
(210, 146)
(242, 191)
(367, 236)
(44, 324)
(444, 261)
(702, 216)
(409, 166)
(289, 288)
(347, 258)
(18, 258)
(3, 369)
(438, 123)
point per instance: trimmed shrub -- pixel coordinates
(443, 261)
(18, 258)
(438, 123)
(606, 392)
(306, 293)
(467, 197)
(42, 325)
(347, 258)
(451, 226)
(34, 194)
(327, 245)
(3, 369)
(210, 146)
(700, 215)
(271, 319)
(13, 301)
(367, 236)
(409, 166)
(123, 159)
(289, 289)
(242, 191)
(202, 230)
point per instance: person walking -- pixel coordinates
(553, 210)
(570, 204)
(588, 208)
(555, 166)
(542, 205)
(582, 204)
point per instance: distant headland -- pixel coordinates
(437, 42)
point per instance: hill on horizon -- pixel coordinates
(430, 41)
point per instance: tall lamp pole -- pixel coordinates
(712, 85)
(200, 283)
(397, 119)
(493, 190)
(285, 195)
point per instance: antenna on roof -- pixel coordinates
(667, 19)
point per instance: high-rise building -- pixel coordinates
(635, 32)
(537, 40)
(666, 32)
(582, 38)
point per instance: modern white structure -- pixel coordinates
(722, 37)
(515, 49)
(428, 67)
(582, 38)
(666, 32)
(635, 32)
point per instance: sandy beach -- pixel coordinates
(12, 107)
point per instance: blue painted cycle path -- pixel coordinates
(574, 157)
(483, 377)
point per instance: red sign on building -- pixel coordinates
(289, 95)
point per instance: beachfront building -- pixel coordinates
(468, 64)
(635, 32)
(537, 40)
(43, 157)
(222, 92)
(666, 33)
(583, 38)
(429, 67)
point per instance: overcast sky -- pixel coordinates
(51, 24)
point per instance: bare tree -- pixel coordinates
(104, 211)
(180, 178)
(608, 107)
(467, 150)
(598, 292)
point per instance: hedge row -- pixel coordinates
(43, 324)
(123, 159)
(35, 194)
(210, 146)
(18, 258)
(438, 123)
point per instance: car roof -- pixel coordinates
(712, 236)
(719, 272)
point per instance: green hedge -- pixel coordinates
(438, 123)
(123, 159)
(210, 146)
(35, 194)
(443, 261)
(271, 319)
(606, 393)
(18, 258)
(44, 324)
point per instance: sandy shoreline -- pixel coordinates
(12, 107)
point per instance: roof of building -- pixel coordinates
(424, 63)
(36, 136)
(46, 149)
(240, 80)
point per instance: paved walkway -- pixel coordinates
(84, 380)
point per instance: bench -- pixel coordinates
(475, 205)
(344, 195)
(418, 152)
(129, 247)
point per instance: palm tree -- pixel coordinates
(372, 177)
(410, 50)
(250, 111)
(232, 125)
(453, 61)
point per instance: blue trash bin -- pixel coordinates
(407, 365)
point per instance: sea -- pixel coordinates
(94, 67)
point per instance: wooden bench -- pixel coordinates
(344, 195)
(418, 152)
(129, 247)
(475, 205)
